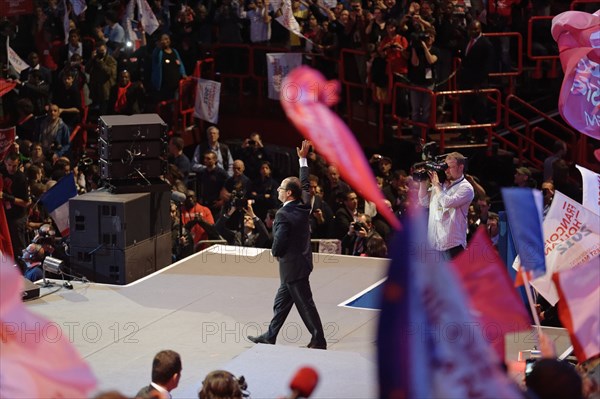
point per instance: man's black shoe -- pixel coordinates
(260, 340)
(317, 346)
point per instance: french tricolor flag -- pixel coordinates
(56, 202)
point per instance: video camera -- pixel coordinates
(431, 162)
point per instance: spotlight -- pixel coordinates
(53, 265)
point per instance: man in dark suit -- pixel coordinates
(291, 244)
(166, 372)
(475, 67)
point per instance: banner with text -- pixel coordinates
(591, 189)
(208, 95)
(278, 66)
(571, 237)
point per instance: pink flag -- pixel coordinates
(579, 291)
(306, 97)
(147, 17)
(498, 308)
(578, 39)
(37, 359)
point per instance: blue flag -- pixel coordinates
(56, 202)
(524, 211)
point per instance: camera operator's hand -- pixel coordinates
(435, 180)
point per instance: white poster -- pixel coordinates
(571, 237)
(13, 58)
(278, 66)
(208, 94)
(591, 189)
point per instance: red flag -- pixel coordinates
(5, 241)
(579, 291)
(498, 307)
(7, 139)
(306, 97)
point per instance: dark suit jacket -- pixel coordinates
(291, 237)
(477, 64)
(147, 392)
(321, 230)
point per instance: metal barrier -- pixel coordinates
(442, 128)
(351, 80)
(511, 74)
(233, 56)
(529, 141)
(576, 3)
(553, 58)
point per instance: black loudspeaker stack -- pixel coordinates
(119, 238)
(133, 152)
(123, 232)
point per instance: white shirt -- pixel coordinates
(163, 392)
(448, 209)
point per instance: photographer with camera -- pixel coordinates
(194, 215)
(421, 73)
(360, 232)
(252, 233)
(448, 204)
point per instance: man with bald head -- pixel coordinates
(291, 245)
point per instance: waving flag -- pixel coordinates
(492, 295)
(42, 365)
(7, 139)
(56, 202)
(578, 39)
(579, 290)
(591, 189)
(524, 212)
(79, 6)
(126, 21)
(66, 21)
(147, 17)
(427, 344)
(305, 98)
(288, 20)
(5, 240)
(14, 60)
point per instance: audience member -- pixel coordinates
(254, 154)
(167, 69)
(263, 190)
(252, 233)
(346, 215)
(523, 178)
(178, 158)
(102, 69)
(196, 218)
(358, 235)
(221, 384)
(53, 133)
(321, 216)
(127, 97)
(559, 151)
(224, 159)
(166, 373)
(210, 181)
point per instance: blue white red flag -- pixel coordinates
(56, 202)
(524, 211)
(428, 343)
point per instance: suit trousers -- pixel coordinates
(296, 293)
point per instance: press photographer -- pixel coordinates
(252, 232)
(448, 204)
(359, 234)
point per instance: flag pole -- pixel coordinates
(536, 318)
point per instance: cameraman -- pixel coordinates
(253, 233)
(448, 205)
(359, 234)
(421, 73)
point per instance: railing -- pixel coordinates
(442, 128)
(351, 78)
(575, 4)
(553, 58)
(509, 74)
(529, 141)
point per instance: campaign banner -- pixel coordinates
(278, 66)
(591, 189)
(11, 8)
(147, 17)
(571, 238)
(288, 20)
(208, 95)
(14, 60)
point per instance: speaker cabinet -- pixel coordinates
(130, 128)
(111, 220)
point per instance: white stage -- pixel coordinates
(204, 307)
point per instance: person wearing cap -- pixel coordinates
(448, 205)
(523, 178)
